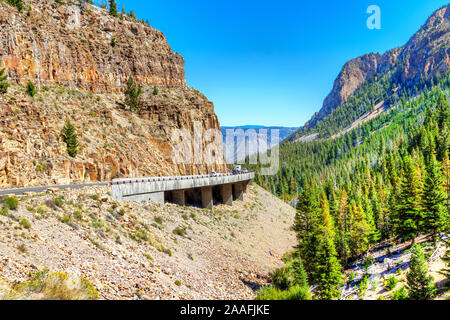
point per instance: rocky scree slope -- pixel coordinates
(67, 51)
(145, 250)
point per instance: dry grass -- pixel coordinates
(45, 285)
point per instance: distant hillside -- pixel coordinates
(283, 132)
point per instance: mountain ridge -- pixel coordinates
(425, 54)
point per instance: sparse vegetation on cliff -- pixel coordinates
(4, 85)
(16, 3)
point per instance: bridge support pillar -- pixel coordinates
(226, 192)
(238, 189)
(207, 198)
(179, 197)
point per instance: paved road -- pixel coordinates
(21, 191)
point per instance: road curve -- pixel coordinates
(21, 191)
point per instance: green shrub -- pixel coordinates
(400, 294)
(280, 279)
(11, 203)
(78, 215)
(390, 283)
(294, 293)
(64, 219)
(4, 85)
(25, 223)
(4, 211)
(31, 89)
(179, 231)
(59, 201)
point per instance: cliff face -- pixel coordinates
(426, 54)
(71, 45)
(66, 51)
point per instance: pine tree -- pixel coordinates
(299, 272)
(4, 85)
(343, 223)
(434, 198)
(132, 94)
(31, 89)
(113, 8)
(69, 136)
(409, 214)
(360, 231)
(327, 269)
(306, 223)
(419, 283)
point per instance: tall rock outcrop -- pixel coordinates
(70, 46)
(80, 58)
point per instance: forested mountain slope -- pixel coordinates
(372, 78)
(386, 179)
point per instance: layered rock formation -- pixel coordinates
(69, 45)
(67, 51)
(426, 54)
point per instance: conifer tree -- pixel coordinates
(297, 269)
(419, 283)
(113, 8)
(327, 269)
(305, 224)
(434, 198)
(409, 213)
(360, 231)
(4, 85)
(342, 226)
(69, 136)
(31, 89)
(132, 94)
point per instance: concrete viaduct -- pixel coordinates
(204, 191)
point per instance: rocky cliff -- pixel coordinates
(426, 54)
(68, 51)
(70, 45)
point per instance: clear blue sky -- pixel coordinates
(273, 62)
